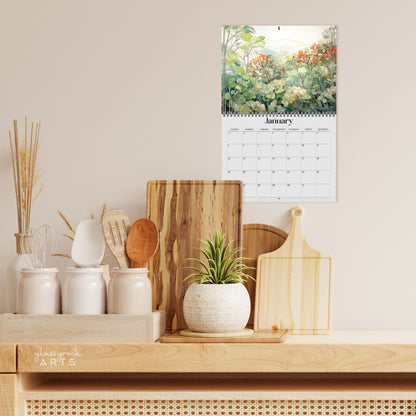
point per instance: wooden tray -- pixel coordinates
(265, 336)
(185, 212)
(16, 328)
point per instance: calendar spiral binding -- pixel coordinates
(294, 114)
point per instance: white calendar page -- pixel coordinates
(283, 158)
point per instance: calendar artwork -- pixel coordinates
(279, 111)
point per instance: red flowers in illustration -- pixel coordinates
(264, 67)
(316, 54)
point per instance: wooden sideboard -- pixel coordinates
(345, 373)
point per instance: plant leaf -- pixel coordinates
(221, 265)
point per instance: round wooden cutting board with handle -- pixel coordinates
(259, 239)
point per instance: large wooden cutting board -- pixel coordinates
(258, 239)
(294, 286)
(185, 212)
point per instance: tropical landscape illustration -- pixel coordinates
(279, 69)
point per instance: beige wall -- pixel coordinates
(129, 91)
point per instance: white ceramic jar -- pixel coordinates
(130, 292)
(39, 292)
(84, 291)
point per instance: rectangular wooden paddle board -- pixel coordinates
(294, 286)
(186, 211)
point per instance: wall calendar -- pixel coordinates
(279, 111)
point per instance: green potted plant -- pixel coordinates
(217, 301)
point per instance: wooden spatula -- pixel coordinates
(294, 285)
(142, 242)
(116, 225)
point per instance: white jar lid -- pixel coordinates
(40, 270)
(130, 270)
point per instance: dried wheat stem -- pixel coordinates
(68, 224)
(102, 213)
(19, 193)
(67, 256)
(24, 171)
(14, 172)
(68, 236)
(33, 169)
(30, 172)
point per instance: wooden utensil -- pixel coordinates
(88, 246)
(294, 286)
(142, 242)
(258, 239)
(116, 225)
(185, 212)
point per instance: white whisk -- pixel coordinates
(44, 244)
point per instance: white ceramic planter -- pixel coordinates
(39, 292)
(84, 291)
(130, 292)
(216, 308)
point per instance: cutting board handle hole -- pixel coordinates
(297, 212)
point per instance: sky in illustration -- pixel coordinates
(290, 38)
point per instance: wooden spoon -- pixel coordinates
(116, 225)
(142, 242)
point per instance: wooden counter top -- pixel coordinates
(340, 352)
(7, 358)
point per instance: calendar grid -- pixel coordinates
(290, 163)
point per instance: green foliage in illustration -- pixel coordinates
(258, 80)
